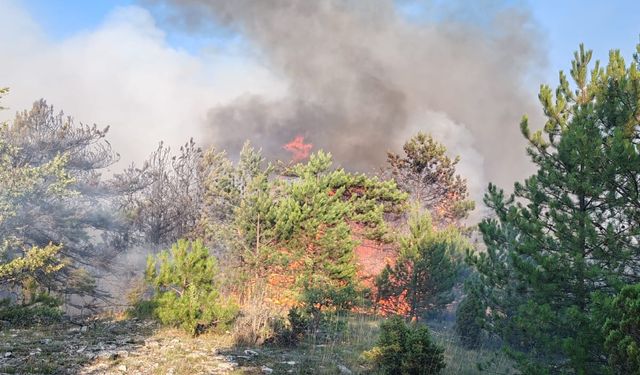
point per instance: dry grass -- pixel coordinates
(134, 347)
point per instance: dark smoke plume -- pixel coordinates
(362, 77)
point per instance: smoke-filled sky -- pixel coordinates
(353, 77)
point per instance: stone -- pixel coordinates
(106, 354)
(344, 370)
(266, 370)
(152, 343)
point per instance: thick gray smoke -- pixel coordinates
(362, 77)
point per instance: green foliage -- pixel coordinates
(186, 291)
(42, 309)
(3, 92)
(405, 349)
(570, 231)
(427, 267)
(49, 182)
(26, 268)
(34, 265)
(469, 319)
(299, 226)
(290, 331)
(142, 309)
(622, 331)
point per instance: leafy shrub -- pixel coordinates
(321, 306)
(43, 309)
(622, 331)
(469, 320)
(405, 349)
(186, 292)
(291, 330)
(139, 307)
(142, 309)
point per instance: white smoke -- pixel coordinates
(355, 78)
(123, 74)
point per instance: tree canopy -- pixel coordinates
(569, 232)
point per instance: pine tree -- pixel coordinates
(426, 269)
(429, 176)
(405, 349)
(186, 288)
(21, 264)
(298, 229)
(76, 216)
(570, 230)
(622, 330)
(469, 318)
(162, 201)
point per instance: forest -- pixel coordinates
(334, 270)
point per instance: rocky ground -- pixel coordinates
(141, 347)
(112, 346)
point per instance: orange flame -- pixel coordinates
(298, 149)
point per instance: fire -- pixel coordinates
(298, 149)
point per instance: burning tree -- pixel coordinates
(296, 231)
(422, 278)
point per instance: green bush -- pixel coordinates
(291, 330)
(43, 309)
(405, 349)
(142, 309)
(622, 331)
(185, 289)
(469, 320)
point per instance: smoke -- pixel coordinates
(355, 78)
(122, 73)
(363, 76)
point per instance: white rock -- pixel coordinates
(152, 343)
(266, 370)
(344, 370)
(106, 354)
